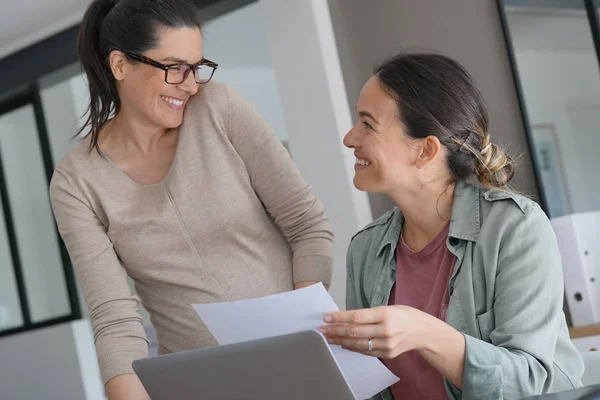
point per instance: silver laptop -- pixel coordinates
(297, 366)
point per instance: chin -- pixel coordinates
(361, 185)
(175, 124)
(168, 122)
(369, 185)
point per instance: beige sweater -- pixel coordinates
(232, 220)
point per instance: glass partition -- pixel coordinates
(557, 67)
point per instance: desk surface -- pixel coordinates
(582, 331)
(574, 394)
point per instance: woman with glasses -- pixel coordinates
(179, 185)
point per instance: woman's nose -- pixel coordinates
(189, 84)
(350, 139)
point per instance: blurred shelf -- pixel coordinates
(582, 331)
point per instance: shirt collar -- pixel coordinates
(465, 223)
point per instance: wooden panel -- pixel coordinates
(582, 331)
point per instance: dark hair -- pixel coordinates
(436, 96)
(128, 25)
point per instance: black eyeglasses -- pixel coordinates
(178, 73)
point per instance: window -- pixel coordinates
(36, 280)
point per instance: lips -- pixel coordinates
(362, 162)
(173, 101)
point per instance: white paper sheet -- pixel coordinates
(296, 311)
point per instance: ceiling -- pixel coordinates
(241, 29)
(25, 22)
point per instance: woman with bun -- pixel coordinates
(459, 289)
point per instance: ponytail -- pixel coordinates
(104, 99)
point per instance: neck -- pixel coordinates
(130, 134)
(426, 211)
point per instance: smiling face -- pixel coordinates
(143, 92)
(386, 158)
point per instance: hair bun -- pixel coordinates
(495, 169)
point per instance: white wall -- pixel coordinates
(50, 364)
(61, 110)
(238, 43)
(258, 85)
(311, 86)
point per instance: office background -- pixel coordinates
(302, 64)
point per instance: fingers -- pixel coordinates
(364, 316)
(359, 345)
(380, 348)
(353, 331)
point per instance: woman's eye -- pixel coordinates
(367, 125)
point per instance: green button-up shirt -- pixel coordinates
(506, 293)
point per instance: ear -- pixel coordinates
(431, 148)
(118, 64)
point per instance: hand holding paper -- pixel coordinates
(291, 312)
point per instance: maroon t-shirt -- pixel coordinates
(422, 280)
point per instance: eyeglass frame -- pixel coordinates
(167, 67)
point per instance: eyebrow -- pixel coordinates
(368, 114)
(179, 60)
